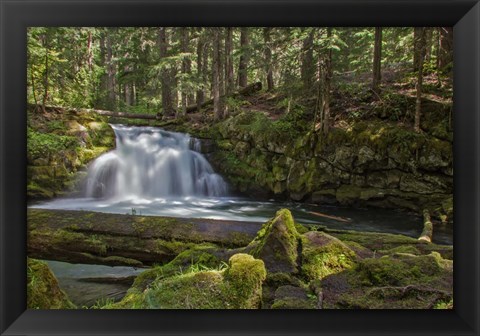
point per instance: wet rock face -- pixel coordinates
(373, 164)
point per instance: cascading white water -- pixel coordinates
(151, 163)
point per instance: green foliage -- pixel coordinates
(235, 105)
(43, 145)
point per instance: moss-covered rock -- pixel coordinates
(367, 163)
(401, 280)
(59, 146)
(291, 297)
(323, 255)
(43, 291)
(237, 287)
(277, 243)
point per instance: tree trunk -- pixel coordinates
(185, 71)
(45, 74)
(103, 88)
(322, 106)
(244, 58)
(111, 83)
(308, 68)
(428, 44)
(200, 77)
(328, 79)
(445, 55)
(377, 59)
(229, 81)
(268, 58)
(207, 82)
(165, 74)
(89, 51)
(216, 74)
(421, 56)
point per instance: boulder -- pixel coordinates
(277, 244)
(292, 297)
(43, 291)
(323, 255)
(239, 286)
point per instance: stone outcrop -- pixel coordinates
(60, 144)
(372, 163)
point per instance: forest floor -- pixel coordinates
(352, 100)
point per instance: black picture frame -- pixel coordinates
(16, 15)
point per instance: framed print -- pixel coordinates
(269, 167)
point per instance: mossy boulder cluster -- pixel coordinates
(60, 143)
(285, 266)
(372, 163)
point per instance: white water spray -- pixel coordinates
(151, 163)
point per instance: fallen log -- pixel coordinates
(126, 240)
(427, 232)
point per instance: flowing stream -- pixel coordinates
(156, 172)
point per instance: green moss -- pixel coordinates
(373, 240)
(43, 291)
(276, 243)
(245, 276)
(121, 261)
(401, 269)
(323, 255)
(237, 287)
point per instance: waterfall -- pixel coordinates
(152, 163)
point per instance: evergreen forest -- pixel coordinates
(240, 167)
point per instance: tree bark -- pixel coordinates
(445, 55)
(165, 74)
(216, 74)
(421, 56)
(308, 67)
(229, 81)
(185, 70)
(377, 59)
(322, 107)
(111, 83)
(244, 58)
(200, 77)
(45, 74)
(268, 58)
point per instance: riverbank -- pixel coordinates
(297, 267)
